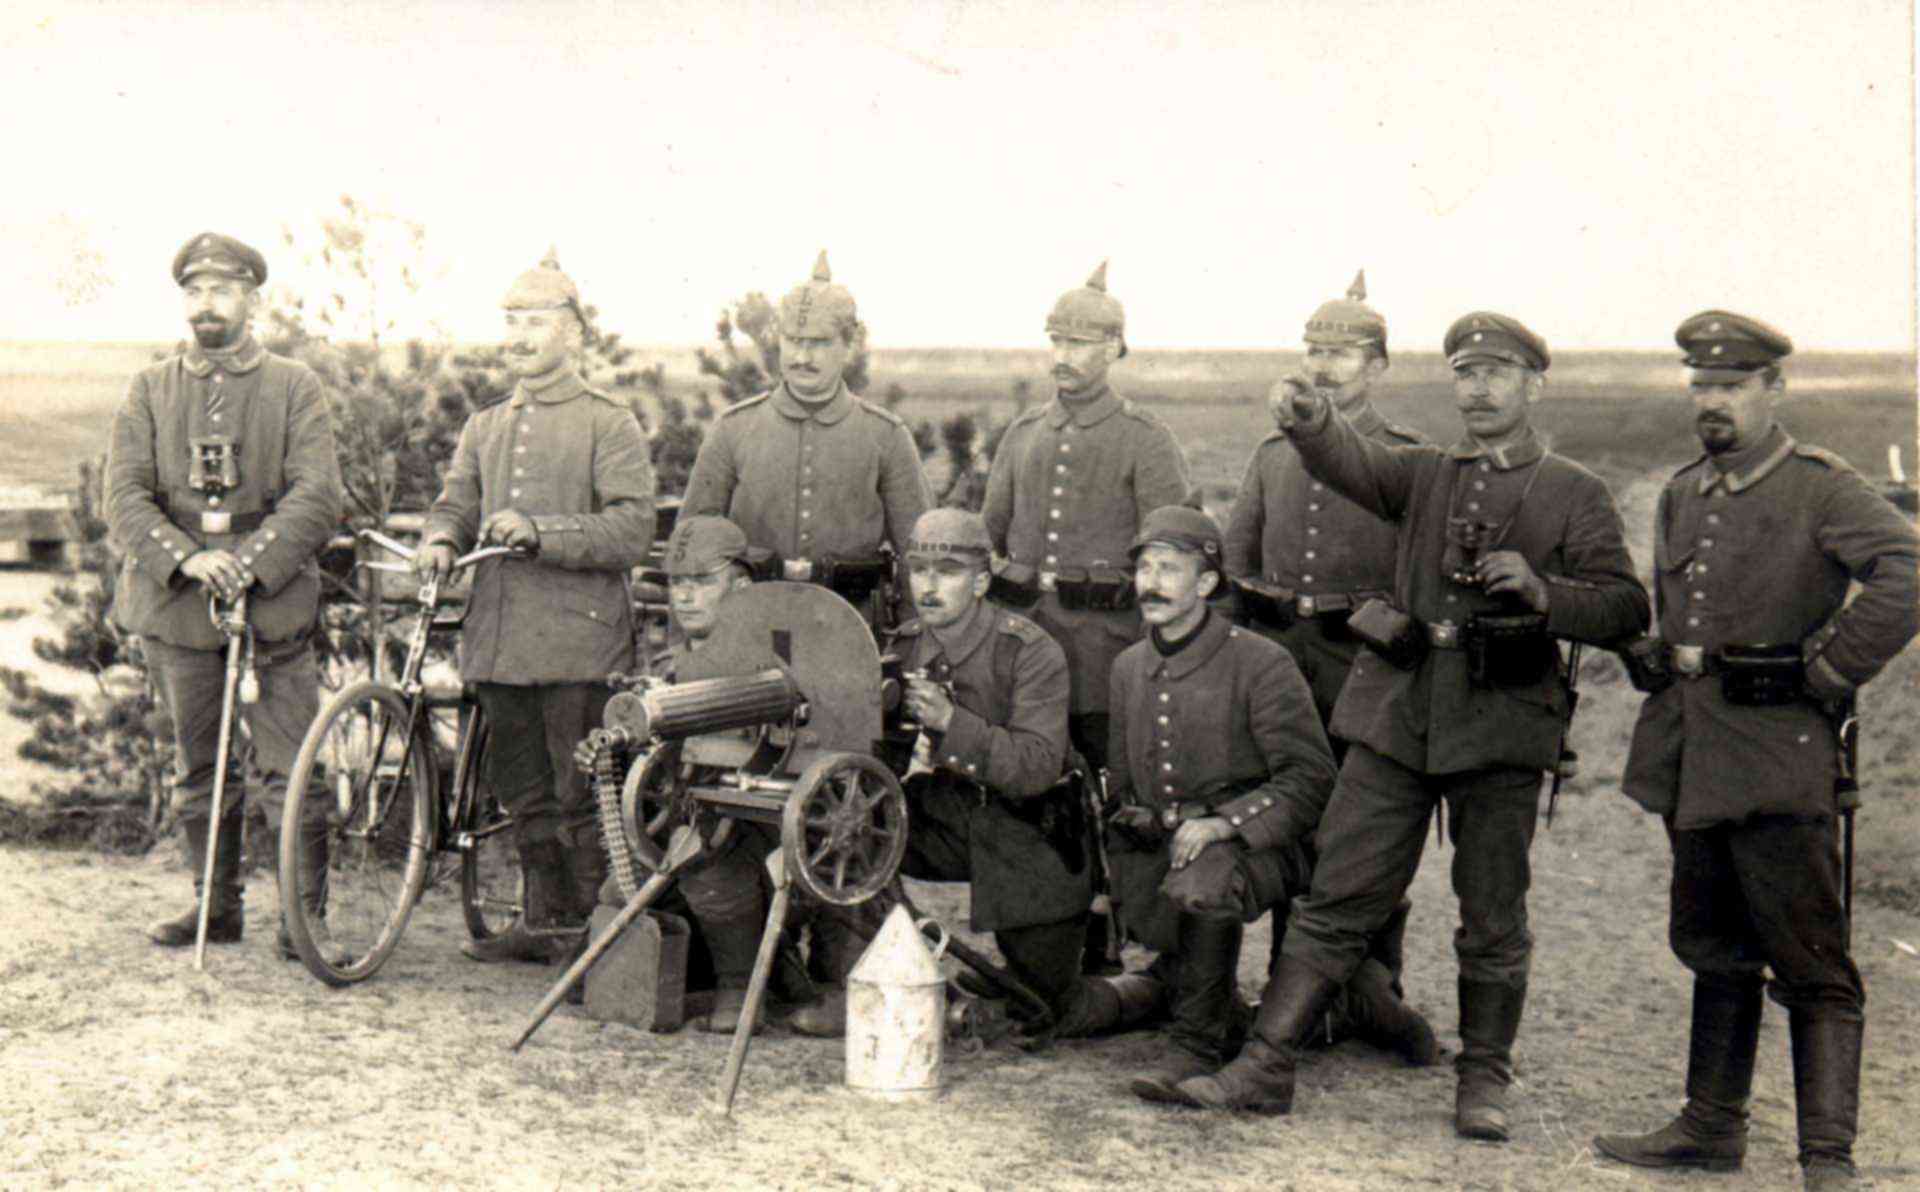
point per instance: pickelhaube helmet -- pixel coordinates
(1349, 321)
(817, 308)
(1089, 312)
(544, 287)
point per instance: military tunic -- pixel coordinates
(1007, 742)
(808, 480)
(1069, 485)
(289, 484)
(1288, 529)
(1227, 722)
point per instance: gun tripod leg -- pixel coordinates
(756, 985)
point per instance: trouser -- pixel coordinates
(1767, 893)
(530, 758)
(1370, 840)
(192, 683)
(728, 894)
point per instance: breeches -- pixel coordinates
(192, 683)
(1766, 894)
(530, 757)
(1370, 841)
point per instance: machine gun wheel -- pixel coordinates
(844, 830)
(647, 807)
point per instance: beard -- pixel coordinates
(216, 333)
(1716, 436)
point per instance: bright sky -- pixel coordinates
(1599, 175)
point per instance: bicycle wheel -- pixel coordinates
(357, 833)
(491, 882)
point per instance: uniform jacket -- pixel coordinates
(1009, 734)
(1287, 528)
(1762, 554)
(1229, 707)
(1433, 719)
(575, 462)
(274, 410)
(1068, 488)
(810, 482)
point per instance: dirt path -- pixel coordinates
(124, 1068)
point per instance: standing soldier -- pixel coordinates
(222, 482)
(1302, 557)
(562, 472)
(1460, 699)
(988, 790)
(1745, 736)
(811, 472)
(1069, 486)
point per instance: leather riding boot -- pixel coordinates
(1489, 1022)
(1826, 1093)
(1382, 1018)
(532, 937)
(1101, 1004)
(1202, 1007)
(1260, 1080)
(226, 913)
(1711, 1131)
(311, 873)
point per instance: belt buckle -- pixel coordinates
(1303, 606)
(798, 570)
(1170, 817)
(1049, 580)
(216, 521)
(1445, 634)
(1690, 660)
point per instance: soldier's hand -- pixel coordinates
(435, 559)
(1291, 400)
(585, 753)
(1509, 571)
(1194, 835)
(510, 527)
(929, 704)
(219, 572)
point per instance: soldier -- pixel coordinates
(811, 472)
(562, 472)
(1751, 682)
(1460, 698)
(222, 481)
(988, 794)
(1304, 558)
(1069, 485)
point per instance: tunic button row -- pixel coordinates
(1693, 622)
(1319, 487)
(806, 492)
(1059, 492)
(1706, 544)
(1485, 466)
(520, 450)
(1473, 506)
(1060, 468)
(519, 471)
(1480, 485)
(1306, 579)
(1699, 595)
(1054, 513)
(1166, 720)
(1313, 506)
(514, 492)
(1312, 531)
(1167, 766)
(1051, 560)
(1164, 697)
(1713, 519)
(1053, 536)
(1312, 554)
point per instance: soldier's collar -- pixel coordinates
(1085, 412)
(1745, 468)
(967, 636)
(562, 384)
(826, 413)
(1200, 651)
(1366, 420)
(1504, 459)
(243, 357)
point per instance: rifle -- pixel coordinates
(1096, 795)
(1561, 766)
(231, 620)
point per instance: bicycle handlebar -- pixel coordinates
(467, 560)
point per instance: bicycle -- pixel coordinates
(357, 872)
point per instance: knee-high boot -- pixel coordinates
(226, 910)
(1203, 1002)
(1826, 1093)
(1489, 1023)
(1260, 1080)
(1711, 1131)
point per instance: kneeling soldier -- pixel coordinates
(987, 793)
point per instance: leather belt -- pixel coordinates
(1332, 602)
(1444, 635)
(1691, 661)
(798, 570)
(214, 521)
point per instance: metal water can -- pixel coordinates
(896, 1013)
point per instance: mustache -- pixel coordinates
(1155, 598)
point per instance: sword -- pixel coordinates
(232, 621)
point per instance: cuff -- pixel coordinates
(165, 547)
(1252, 817)
(563, 538)
(963, 748)
(272, 562)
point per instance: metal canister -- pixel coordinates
(896, 1013)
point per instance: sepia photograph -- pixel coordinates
(959, 595)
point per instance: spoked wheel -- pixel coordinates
(357, 833)
(647, 816)
(844, 830)
(492, 885)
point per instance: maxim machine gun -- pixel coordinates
(774, 720)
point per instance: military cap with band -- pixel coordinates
(1723, 346)
(544, 287)
(817, 308)
(1484, 335)
(1183, 528)
(1348, 322)
(1090, 313)
(210, 252)
(950, 533)
(703, 545)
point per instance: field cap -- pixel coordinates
(1090, 313)
(1348, 322)
(210, 252)
(544, 287)
(1484, 335)
(818, 309)
(703, 545)
(1183, 528)
(1722, 346)
(950, 533)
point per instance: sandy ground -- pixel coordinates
(124, 1068)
